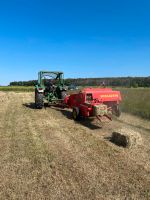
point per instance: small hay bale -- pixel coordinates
(126, 137)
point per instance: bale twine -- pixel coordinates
(126, 137)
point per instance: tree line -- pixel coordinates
(114, 82)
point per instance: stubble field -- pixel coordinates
(44, 154)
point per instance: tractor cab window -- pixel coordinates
(49, 79)
(89, 97)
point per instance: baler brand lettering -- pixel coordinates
(108, 95)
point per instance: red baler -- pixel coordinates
(98, 102)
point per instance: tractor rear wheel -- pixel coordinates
(39, 102)
(75, 115)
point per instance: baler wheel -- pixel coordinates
(117, 110)
(75, 115)
(39, 102)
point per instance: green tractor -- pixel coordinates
(50, 88)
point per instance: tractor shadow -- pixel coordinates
(29, 105)
(87, 122)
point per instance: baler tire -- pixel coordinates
(39, 103)
(75, 115)
(117, 111)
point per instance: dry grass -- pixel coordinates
(46, 155)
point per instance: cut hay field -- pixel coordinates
(44, 154)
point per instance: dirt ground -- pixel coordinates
(44, 154)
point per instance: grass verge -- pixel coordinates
(17, 88)
(136, 101)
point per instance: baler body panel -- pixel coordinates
(104, 94)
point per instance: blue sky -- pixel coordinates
(83, 38)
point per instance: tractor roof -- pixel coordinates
(48, 72)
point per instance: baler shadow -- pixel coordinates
(87, 122)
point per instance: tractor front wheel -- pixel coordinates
(75, 114)
(39, 102)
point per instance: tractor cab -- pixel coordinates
(50, 87)
(45, 78)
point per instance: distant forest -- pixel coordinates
(114, 82)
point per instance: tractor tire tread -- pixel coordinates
(39, 100)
